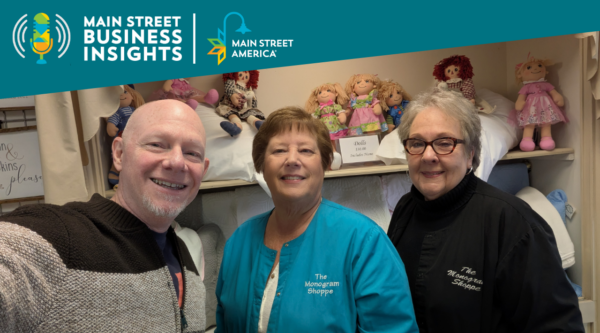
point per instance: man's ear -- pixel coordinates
(117, 153)
(206, 164)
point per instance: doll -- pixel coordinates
(456, 73)
(394, 100)
(182, 90)
(129, 101)
(239, 102)
(367, 115)
(325, 103)
(537, 105)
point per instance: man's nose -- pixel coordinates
(175, 160)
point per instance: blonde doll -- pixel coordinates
(367, 115)
(394, 100)
(325, 103)
(537, 105)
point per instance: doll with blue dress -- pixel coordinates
(129, 101)
(394, 100)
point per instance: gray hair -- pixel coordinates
(454, 105)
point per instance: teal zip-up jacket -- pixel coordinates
(341, 275)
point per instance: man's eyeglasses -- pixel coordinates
(441, 146)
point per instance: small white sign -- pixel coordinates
(17, 102)
(20, 166)
(357, 149)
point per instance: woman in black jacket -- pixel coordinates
(477, 259)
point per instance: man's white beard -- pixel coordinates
(171, 212)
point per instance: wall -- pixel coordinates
(284, 86)
(565, 75)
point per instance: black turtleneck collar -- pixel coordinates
(447, 203)
(110, 212)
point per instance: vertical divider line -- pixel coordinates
(194, 32)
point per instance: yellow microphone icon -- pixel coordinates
(41, 43)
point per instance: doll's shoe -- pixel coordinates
(258, 124)
(337, 161)
(192, 103)
(547, 143)
(230, 128)
(527, 144)
(211, 97)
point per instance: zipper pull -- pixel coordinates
(184, 324)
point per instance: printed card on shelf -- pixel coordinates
(358, 149)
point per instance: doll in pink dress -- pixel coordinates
(538, 104)
(367, 115)
(182, 90)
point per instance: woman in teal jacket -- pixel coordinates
(309, 265)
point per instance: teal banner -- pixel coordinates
(61, 46)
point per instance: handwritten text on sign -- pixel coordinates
(20, 167)
(359, 148)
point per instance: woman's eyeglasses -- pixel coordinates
(441, 146)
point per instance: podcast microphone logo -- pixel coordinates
(41, 43)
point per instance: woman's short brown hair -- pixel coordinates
(285, 119)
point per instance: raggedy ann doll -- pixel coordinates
(325, 103)
(239, 102)
(129, 101)
(182, 90)
(394, 100)
(367, 115)
(538, 104)
(456, 73)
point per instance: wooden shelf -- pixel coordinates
(367, 170)
(569, 154)
(558, 153)
(225, 183)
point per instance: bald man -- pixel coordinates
(113, 265)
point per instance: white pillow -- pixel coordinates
(390, 150)
(194, 245)
(230, 157)
(541, 205)
(497, 136)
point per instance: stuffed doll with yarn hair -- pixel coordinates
(115, 124)
(456, 73)
(538, 104)
(239, 102)
(326, 103)
(182, 90)
(367, 115)
(394, 100)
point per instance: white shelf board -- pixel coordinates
(558, 153)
